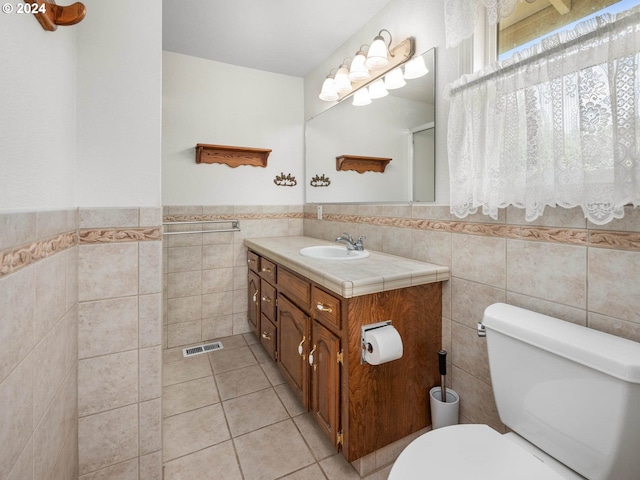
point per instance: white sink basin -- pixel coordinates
(327, 252)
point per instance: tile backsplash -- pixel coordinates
(205, 274)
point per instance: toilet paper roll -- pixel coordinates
(386, 345)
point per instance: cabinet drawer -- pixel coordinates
(326, 308)
(268, 335)
(297, 289)
(268, 300)
(253, 261)
(268, 270)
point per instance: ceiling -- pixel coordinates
(290, 37)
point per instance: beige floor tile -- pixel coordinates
(291, 402)
(253, 411)
(250, 338)
(241, 382)
(186, 369)
(336, 467)
(381, 474)
(192, 431)
(272, 452)
(273, 373)
(186, 396)
(218, 461)
(312, 472)
(233, 342)
(260, 353)
(226, 360)
(317, 442)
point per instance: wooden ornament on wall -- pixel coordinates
(283, 180)
(362, 164)
(231, 156)
(51, 15)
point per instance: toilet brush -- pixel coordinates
(442, 360)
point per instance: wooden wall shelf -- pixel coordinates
(51, 15)
(361, 164)
(232, 156)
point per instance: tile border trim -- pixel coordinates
(568, 236)
(16, 258)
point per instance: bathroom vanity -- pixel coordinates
(308, 314)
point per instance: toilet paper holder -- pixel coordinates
(366, 347)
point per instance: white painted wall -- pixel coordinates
(120, 103)
(423, 20)
(37, 115)
(217, 103)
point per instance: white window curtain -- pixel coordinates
(557, 125)
(460, 16)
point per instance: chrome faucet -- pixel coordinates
(351, 244)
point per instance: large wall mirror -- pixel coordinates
(400, 126)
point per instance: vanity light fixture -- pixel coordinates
(348, 80)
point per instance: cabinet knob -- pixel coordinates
(300, 349)
(266, 336)
(251, 260)
(323, 308)
(255, 297)
(265, 269)
(266, 299)
(311, 363)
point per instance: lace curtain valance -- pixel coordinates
(460, 16)
(557, 125)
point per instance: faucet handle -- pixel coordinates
(345, 234)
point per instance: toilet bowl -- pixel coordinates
(570, 394)
(478, 452)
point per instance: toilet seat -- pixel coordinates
(466, 452)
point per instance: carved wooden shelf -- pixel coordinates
(51, 15)
(232, 156)
(361, 164)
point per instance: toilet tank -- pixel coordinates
(572, 391)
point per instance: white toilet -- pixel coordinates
(570, 394)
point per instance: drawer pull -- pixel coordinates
(311, 357)
(266, 336)
(300, 349)
(266, 270)
(266, 299)
(255, 297)
(251, 260)
(323, 308)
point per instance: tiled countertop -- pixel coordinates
(376, 273)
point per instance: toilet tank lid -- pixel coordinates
(614, 356)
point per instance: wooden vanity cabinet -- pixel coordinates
(315, 337)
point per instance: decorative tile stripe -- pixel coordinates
(569, 236)
(622, 240)
(111, 235)
(14, 259)
(232, 216)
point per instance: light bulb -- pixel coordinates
(377, 54)
(377, 90)
(394, 79)
(415, 68)
(361, 97)
(328, 92)
(358, 71)
(341, 82)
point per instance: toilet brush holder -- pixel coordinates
(443, 414)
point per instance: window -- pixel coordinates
(533, 20)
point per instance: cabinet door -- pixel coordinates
(268, 300)
(268, 337)
(254, 302)
(325, 380)
(293, 340)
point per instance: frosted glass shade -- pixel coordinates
(394, 79)
(361, 97)
(341, 81)
(358, 71)
(377, 54)
(415, 68)
(377, 90)
(328, 92)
